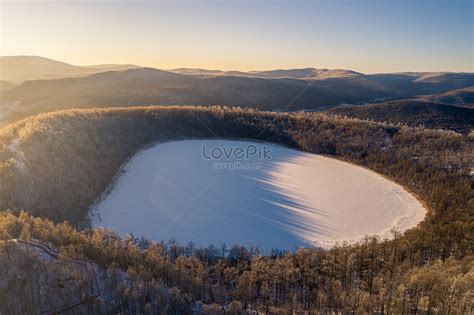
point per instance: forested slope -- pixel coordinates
(279, 90)
(56, 165)
(460, 97)
(413, 113)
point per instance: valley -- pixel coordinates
(304, 157)
(307, 89)
(54, 167)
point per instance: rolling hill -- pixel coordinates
(306, 73)
(278, 90)
(413, 113)
(460, 97)
(146, 86)
(18, 69)
(6, 85)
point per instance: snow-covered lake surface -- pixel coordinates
(280, 198)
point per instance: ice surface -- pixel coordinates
(294, 199)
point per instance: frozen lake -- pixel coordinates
(219, 191)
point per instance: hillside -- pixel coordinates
(6, 85)
(18, 69)
(64, 282)
(147, 86)
(56, 165)
(307, 73)
(273, 90)
(413, 113)
(87, 140)
(460, 97)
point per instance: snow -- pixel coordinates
(285, 200)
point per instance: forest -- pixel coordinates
(53, 167)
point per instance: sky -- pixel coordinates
(363, 35)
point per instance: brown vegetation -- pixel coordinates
(277, 90)
(413, 113)
(56, 165)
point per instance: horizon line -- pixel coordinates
(235, 69)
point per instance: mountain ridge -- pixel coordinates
(276, 90)
(18, 69)
(413, 113)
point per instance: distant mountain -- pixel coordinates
(460, 97)
(146, 86)
(133, 81)
(413, 113)
(111, 67)
(6, 85)
(277, 90)
(307, 73)
(416, 84)
(22, 68)
(197, 71)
